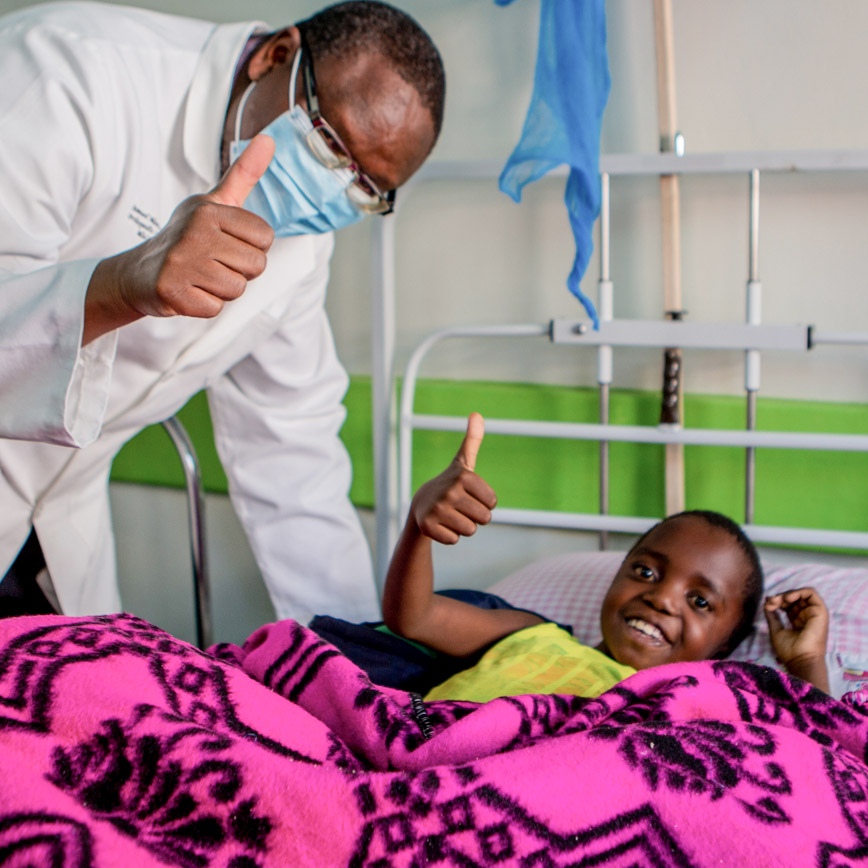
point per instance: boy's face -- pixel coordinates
(677, 597)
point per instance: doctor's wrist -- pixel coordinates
(104, 309)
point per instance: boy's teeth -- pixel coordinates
(646, 628)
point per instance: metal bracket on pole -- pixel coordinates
(676, 333)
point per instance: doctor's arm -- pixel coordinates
(202, 258)
(59, 313)
(444, 509)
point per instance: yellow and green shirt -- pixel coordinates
(544, 658)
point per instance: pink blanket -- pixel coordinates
(121, 746)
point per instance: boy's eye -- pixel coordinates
(643, 572)
(701, 603)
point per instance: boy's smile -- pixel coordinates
(677, 596)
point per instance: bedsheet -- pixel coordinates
(120, 745)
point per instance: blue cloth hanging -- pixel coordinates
(571, 86)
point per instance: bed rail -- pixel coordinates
(196, 517)
(739, 339)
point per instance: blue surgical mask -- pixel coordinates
(297, 195)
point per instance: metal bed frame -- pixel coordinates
(393, 432)
(196, 517)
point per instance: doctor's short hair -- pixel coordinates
(358, 26)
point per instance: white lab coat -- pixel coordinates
(109, 117)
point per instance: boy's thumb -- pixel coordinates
(472, 441)
(241, 177)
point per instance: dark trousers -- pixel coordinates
(19, 592)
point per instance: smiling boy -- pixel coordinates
(688, 590)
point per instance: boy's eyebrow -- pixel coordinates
(708, 583)
(648, 552)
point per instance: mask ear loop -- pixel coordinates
(240, 111)
(293, 76)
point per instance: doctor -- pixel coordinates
(153, 245)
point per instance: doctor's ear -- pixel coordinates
(277, 50)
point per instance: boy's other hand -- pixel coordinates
(454, 503)
(800, 638)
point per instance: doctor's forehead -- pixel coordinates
(380, 116)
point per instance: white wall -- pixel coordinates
(778, 74)
(751, 74)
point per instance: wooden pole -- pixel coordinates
(670, 205)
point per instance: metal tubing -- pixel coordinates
(604, 353)
(818, 337)
(649, 434)
(604, 463)
(753, 244)
(605, 222)
(677, 333)
(750, 461)
(382, 394)
(753, 316)
(196, 515)
(672, 163)
(737, 162)
(636, 524)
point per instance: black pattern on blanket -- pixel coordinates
(120, 745)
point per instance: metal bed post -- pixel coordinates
(383, 395)
(604, 353)
(753, 316)
(196, 515)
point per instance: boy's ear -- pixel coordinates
(277, 50)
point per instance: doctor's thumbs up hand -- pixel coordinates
(452, 504)
(202, 258)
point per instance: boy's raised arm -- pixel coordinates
(801, 645)
(444, 509)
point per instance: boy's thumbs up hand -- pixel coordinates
(452, 504)
(472, 441)
(202, 258)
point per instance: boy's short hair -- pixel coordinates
(753, 586)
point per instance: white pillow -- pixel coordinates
(570, 589)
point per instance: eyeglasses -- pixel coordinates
(327, 147)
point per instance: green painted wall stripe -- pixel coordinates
(793, 487)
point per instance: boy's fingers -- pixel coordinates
(474, 509)
(242, 176)
(774, 622)
(472, 441)
(480, 490)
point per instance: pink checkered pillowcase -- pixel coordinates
(570, 589)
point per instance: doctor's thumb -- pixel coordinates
(241, 177)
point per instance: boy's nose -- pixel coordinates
(661, 598)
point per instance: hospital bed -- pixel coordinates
(553, 584)
(123, 745)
